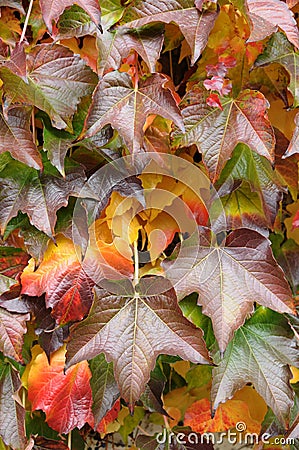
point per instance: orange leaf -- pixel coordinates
(228, 414)
(107, 419)
(65, 398)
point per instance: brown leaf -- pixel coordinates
(132, 330)
(230, 278)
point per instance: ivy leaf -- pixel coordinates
(112, 11)
(12, 263)
(39, 195)
(293, 146)
(12, 417)
(280, 50)
(194, 25)
(263, 348)
(16, 137)
(230, 278)
(216, 132)
(64, 397)
(267, 15)
(286, 166)
(258, 172)
(12, 329)
(116, 44)
(104, 388)
(116, 102)
(53, 72)
(52, 11)
(75, 22)
(132, 330)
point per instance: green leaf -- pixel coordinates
(53, 73)
(216, 131)
(132, 330)
(280, 50)
(131, 422)
(259, 353)
(230, 278)
(104, 388)
(75, 22)
(112, 11)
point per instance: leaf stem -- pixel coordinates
(136, 263)
(26, 21)
(69, 440)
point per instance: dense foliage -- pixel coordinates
(149, 221)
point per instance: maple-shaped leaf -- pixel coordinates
(279, 50)
(53, 9)
(198, 417)
(16, 137)
(117, 102)
(230, 278)
(263, 348)
(12, 417)
(68, 282)
(194, 25)
(267, 15)
(104, 388)
(39, 195)
(53, 73)
(114, 45)
(12, 263)
(132, 329)
(64, 397)
(258, 172)
(12, 330)
(216, 132)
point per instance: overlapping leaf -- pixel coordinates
(16, 137)
(12, 417)
(64, 397)
(53, 9)
(194, 25)
(12, 263)
(216, 132)
(267, 15)
(116, 44)
(17, 4)
(280, 50)
(53, 73)
(132, 329)
(126, 108)
(260, 353)
(75, 22)
(12, 330)
(230, 278)
(39, 195)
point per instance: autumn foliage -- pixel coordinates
(149, 221)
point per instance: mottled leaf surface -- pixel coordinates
(53, 73)
(280, 50)
(260, 353)
(64, 397)
(194, 25)
(39, 195)
(52, 9)
(132, 330)
(12, 263)
(216, 132)
(12, 417)
(267, 15)
(12, 330)
(117, 102)
(16, 137)
(230, 278)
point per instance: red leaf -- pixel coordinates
(66, 398)
(296, 220)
